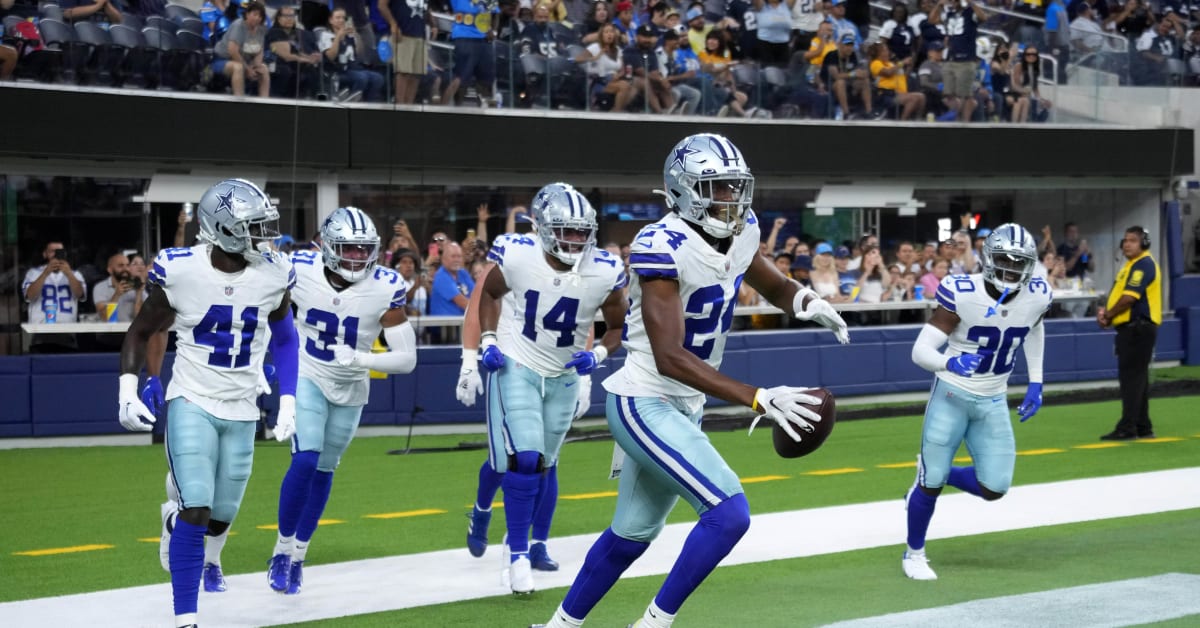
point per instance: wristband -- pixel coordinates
(755, 405)
(487, 339)
(601, 353)
(470, 356)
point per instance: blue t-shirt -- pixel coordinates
(409, 14)
(445, 288)
(480, 15)
(636, 59)
(847, 280)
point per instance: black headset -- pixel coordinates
(1145, 238)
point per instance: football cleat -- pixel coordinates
(278, 570)
(916, 566)
(168, 510)
(540, 559)
(296, 578)
(214, 580)
(477, 531)
(520, 576)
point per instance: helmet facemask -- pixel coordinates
(566, 223)
(1009, 257)
(349, 244)
(719, 204)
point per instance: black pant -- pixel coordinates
(1135, 347)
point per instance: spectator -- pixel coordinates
(1026, 75)
(1155, 48)
(874, 279)
(1089, 40)
(929, 254)
(537, 38)
(239, 54)
(698, 29)
(717, 60)
(930, 280)
(892, 81)
(576, 11)
(842, 26)
(53, 292)
(297, 69)
(774, 31)
(824, 274)
(606, 70)
(598, 17)
(1058, 36)
(75, 10)
(452, 284)
(120, 290)
(906, 255)
(641, 63)
(844, 75)
(1191, 54)
(474, 59)
(741, 26)
(658, 17)
(902, 283)
(1011, 105)
(406, 24)
(339, 43)
(783, 263)
(1077, 257)
(847, 277)
(626, 22)
(964, 261)
(899, 36)
(682, 72)
(818, 48)
(807, 18)
(864, 241)
(961, 21)
(408, 264)
(802, 268)
(1134, 19)
(980, 236)
(930, 75)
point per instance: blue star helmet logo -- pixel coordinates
(681, 154)
(225, 202)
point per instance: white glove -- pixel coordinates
(263, 387)
(784, 405)
(345, 356)
(285, 421)
(133, 414)
(585, 396)
(470, 385)
(822, 313)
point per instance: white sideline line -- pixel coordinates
(397, 582)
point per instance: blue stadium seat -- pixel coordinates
(178, 12)
(105, 57)
(138, 59)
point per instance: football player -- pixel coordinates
(983, 319)
(686, 272)
(551, 287)
(343, 300)
(215, 296)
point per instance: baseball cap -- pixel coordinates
(847, 38)
(936, 44)
(983, 233)
(670, 33)
(837, 2)
(803, 262)
(841, 252)
(824, 249)
(692, 14)
(624, 5)
(680, 30)
(646, 30)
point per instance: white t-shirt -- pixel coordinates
(56, 289)
(603, 66)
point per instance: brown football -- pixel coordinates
(809, 441)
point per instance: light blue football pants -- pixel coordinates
(667, 457)
(323, 426)
(210, 458)
(528, 412)
(955, 416)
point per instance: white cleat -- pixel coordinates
(916, 566)
(520, 576)
(169, 510)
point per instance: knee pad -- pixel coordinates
(217, 528)
(528, 462)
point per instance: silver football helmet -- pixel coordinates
(237, 217)
(566, 222)
(709, 183)
(349, 243)
(1009, 257)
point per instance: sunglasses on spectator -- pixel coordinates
(441, 239)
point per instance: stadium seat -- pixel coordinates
(188, 59)
(51, 12)
(105, 57)
(178, 12)
(138, 57)
(192, 25)
(161, 23)
(57, 35)
(162, 43)
(132, 21)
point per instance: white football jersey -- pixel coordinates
(56, 291)
(221, 327)
(547, 314)
(996, 331)
(708, 288)
(326, 317)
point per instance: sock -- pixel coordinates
(213, 546)
(963, 479)
(656, 617)
(299, 552)
(920, 512)
(283, 545)
(187, 564)
(293, 493)
(711, 539)
(544, 503)
(187, 619)
(608, 558)
(489, 483)
(322, 483)
(520, 490)
(562, 620)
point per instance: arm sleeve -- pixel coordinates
(927, 350)
(1035, 345)
(285, 353)
(401, 356)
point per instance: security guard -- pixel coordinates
(1135, 310)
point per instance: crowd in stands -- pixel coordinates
(943, 59)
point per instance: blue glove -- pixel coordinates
(964, 364)
(584, 362)
(152, 394)
(1032, 403)
(492, 358)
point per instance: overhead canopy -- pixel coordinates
(867, 195)
(188, 188)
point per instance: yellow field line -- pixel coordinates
(764, 478)
(408, 513)
(599, 495)
(1040, 452)
(1099, 446)
(834, 471)
(320, 522)
(1161, 439)
(65, 550)
(898, 465)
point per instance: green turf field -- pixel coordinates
(63, 499)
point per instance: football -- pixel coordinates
(809, 442)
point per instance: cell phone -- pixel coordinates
(136, 282)
(433, 250)
(60, 254)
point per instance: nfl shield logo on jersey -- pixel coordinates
(228, 291)
(337, 300)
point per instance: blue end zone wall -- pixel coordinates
(57, 395)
